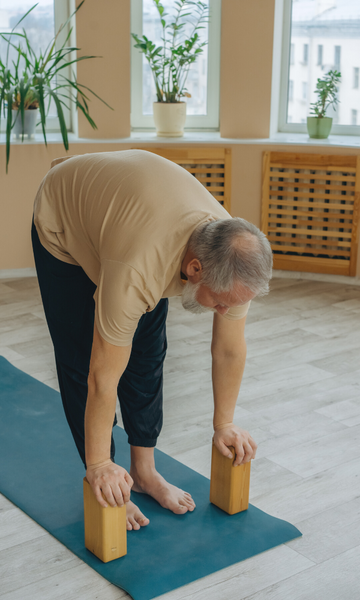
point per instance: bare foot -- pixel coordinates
(167, 495)
(134, 517)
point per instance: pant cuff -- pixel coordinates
(143, 442)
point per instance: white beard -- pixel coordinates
(188, 299)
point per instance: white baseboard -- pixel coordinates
(17, 273)
(316, 277)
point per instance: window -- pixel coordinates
(354, 117)
(292, 54)
(304, 90)
(337, 57)
(320, 50)
(40, 26)
(356, 73)
(306, 54)
(327, 34)
(203, 82)
(291, 90)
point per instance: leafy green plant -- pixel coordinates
(32, 81)
(170, 63)
(327, 90)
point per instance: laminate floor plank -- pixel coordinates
(300, 399)
(32, 564)
(334, 579)
(329, 533)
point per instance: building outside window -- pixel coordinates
(337, 58)
(354, 117)
(291, 91)
(203, 81)
(328, 32)
(292, 54)
(356, 74)
(320, 49)
(304, 90)
(306, 54)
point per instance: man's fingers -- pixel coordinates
(129, 480)
(225, 451)
(125, 489)
(249, 452)
(99, 497)
(253, 445)
(240, 454)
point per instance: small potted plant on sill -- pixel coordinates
(33, 81)
(319, 125)
(170, 63)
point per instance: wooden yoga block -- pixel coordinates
(105, 528)
(229, 485)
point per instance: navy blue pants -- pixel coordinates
(67, 295)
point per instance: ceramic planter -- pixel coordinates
(319, 127)
(169, 118)
(31, 118)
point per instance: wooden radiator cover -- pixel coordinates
(310, 211)
(210, 166)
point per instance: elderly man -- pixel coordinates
(115, 235)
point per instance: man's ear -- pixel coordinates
(194, 270)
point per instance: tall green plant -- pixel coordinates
(32, 81)
(170, 62)
(327, 91)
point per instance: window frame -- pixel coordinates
(209, 122)
(283, 125)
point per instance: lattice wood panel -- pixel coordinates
(211, 166)
(310, 211)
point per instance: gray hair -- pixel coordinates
(233, 251)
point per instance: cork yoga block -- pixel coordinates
(229, 485)
(105, 528)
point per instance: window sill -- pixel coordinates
(202, 137)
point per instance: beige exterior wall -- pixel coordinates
(104, 30)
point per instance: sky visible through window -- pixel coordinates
(325, 35)
(196, 82)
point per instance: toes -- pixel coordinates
(135, 525)
(128, 525)
(188, 502)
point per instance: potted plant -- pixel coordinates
(170, 62)
(28, 87)
(319, 125)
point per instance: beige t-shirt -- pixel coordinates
(125, 217)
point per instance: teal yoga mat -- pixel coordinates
(41, 473)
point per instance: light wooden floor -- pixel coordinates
(300, 399)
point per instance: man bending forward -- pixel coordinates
(115, 235)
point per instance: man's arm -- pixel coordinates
(228, 351)
(107, 364)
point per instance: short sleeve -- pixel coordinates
(120, 301)
(238, 312)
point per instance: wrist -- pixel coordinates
(220, 426)
(103, 463)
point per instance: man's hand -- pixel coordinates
(110, 481)
(241, 440)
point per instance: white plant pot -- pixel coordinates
(169, 118)
(31, 117)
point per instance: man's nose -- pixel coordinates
(222, 310)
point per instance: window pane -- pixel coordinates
(39, 26)
(196, 82)
(325, 35)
